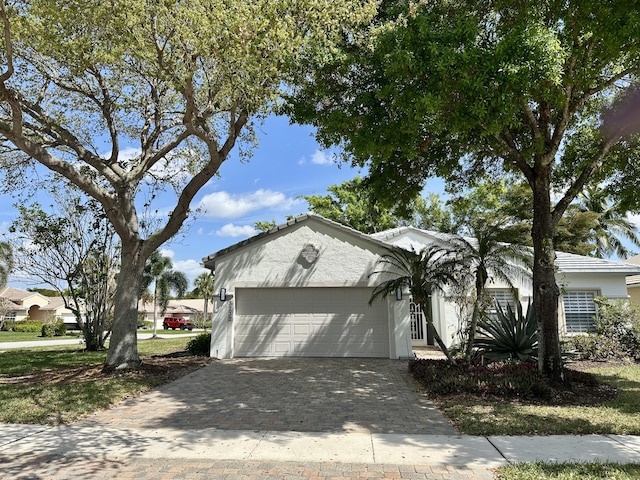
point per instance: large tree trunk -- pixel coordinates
(123, 347)
(546, 291)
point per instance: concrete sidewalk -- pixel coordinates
(461, 452)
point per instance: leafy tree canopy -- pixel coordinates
(352, 203)
(129, 98)
(459, 89)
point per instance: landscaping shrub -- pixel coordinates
(48, 330)
(593, 347)
(617, 333)
(506, 379)
(200, 345)
(61, 329)
(508, 335)
(57, 329)
(28, 326)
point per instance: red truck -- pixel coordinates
(176, 322)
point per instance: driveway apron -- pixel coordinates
(287, 394)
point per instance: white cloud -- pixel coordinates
(318, 158)
(231, 230)
(321, 158)
(635, 219)
(190, 267)
(226, 205)
(129, 153)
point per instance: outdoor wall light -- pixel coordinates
(399, 293)
(223, 294)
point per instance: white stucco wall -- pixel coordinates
(276, 260)
(608, 284)
(446, 312)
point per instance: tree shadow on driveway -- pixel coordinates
(290, 394)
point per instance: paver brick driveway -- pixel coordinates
(309, 395)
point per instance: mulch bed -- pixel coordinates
(161, 369)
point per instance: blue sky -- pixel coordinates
(286, 164)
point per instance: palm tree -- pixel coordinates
(431, 269)
(159, 270)
(484, 257)
(204, 285)
(6, 262)
(612, 226)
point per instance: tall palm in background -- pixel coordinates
(204, 284)
(484, 258)
(6, 262)
(159, 270)
(612, 224)
(431, 269)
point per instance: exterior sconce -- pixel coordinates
(223, 294)
(399, 293)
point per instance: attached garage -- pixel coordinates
(303, 289)
(309, 322)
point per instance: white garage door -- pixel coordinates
(310, 322)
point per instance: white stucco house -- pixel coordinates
(303, 289)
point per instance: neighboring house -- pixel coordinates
(633, 282)
(188, 308)
(34, 306)
(302, 289)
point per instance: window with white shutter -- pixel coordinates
(579, 311)
(504, 297)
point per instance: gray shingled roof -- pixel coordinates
(566, 262)
(570, 263)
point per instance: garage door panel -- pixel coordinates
(309, 322)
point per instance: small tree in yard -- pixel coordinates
(75, 251)
(432, 269)
(484, 258)
(204, 285)
(128, 99)
(159, 271)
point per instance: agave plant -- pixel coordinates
(508, 334)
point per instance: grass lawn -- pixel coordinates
(477, 415)
(56, 385)
(33, 336)
(568, 471)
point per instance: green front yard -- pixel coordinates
(569, 471)
(611, 405)
(33, 336)
(55, 385)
